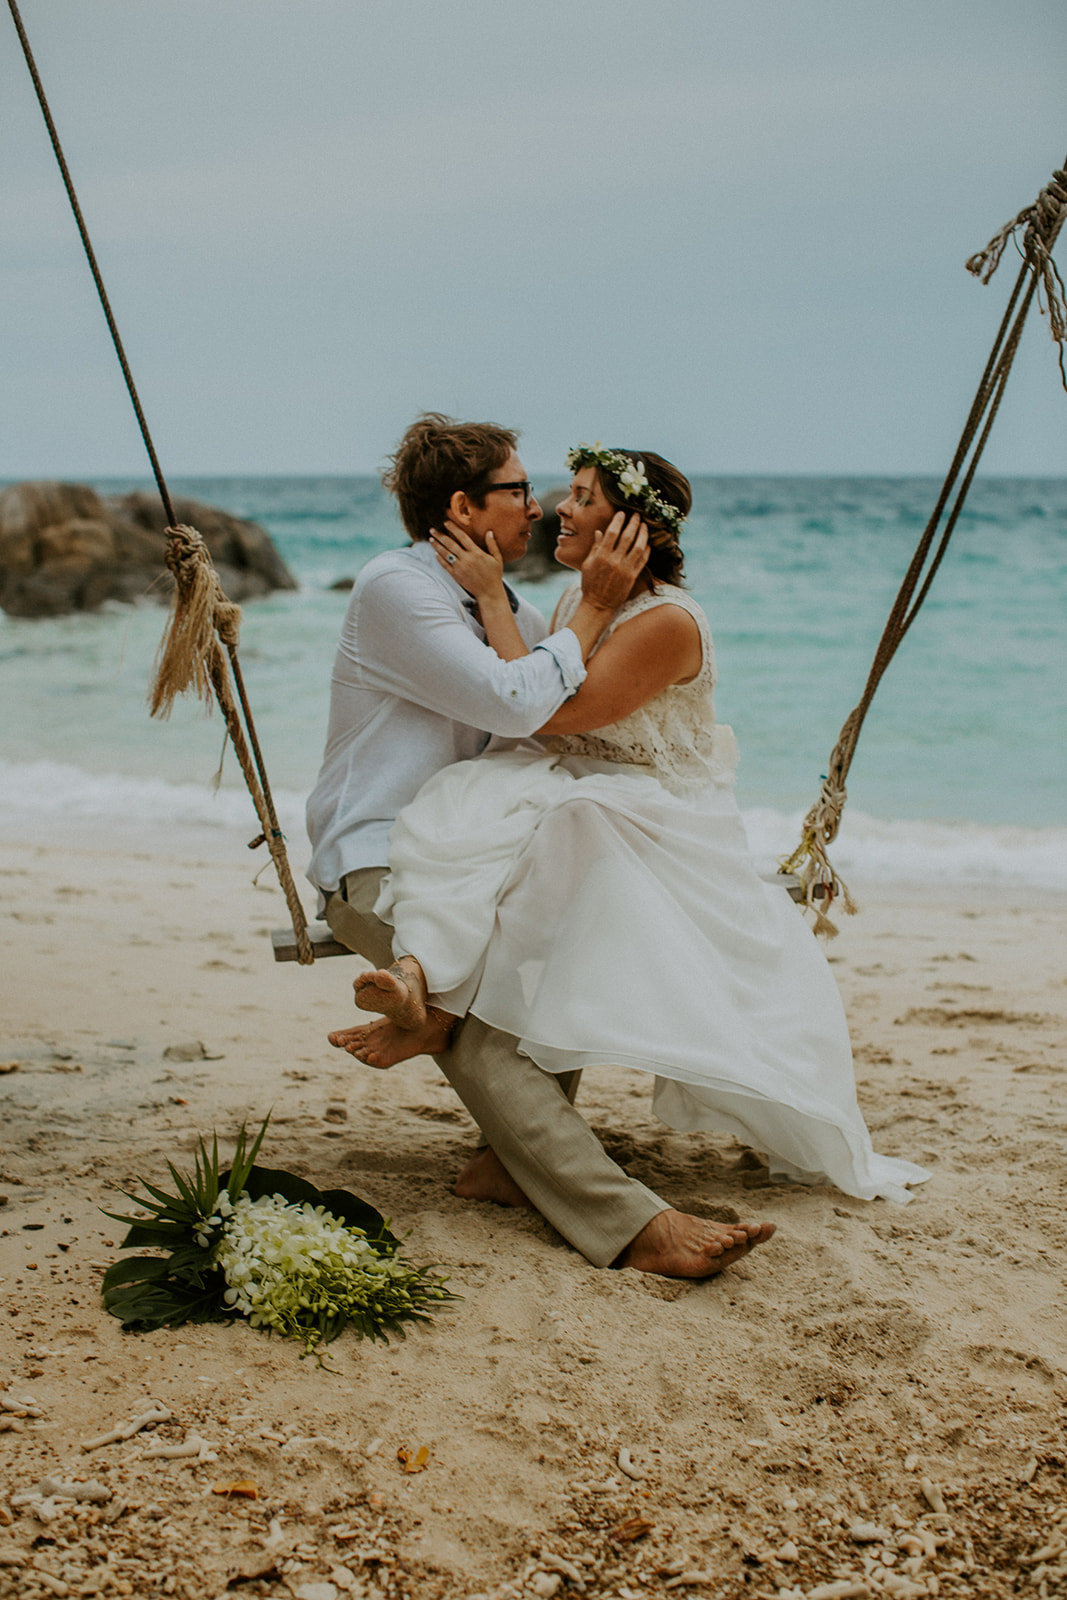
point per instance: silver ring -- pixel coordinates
(451, 560)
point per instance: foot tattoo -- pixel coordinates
(397, 993)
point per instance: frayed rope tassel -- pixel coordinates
(190, 653)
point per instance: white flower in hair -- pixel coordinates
(632, 480)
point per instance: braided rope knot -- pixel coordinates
(824, 817)
(185, 549)
(1041, 223)
(810, 862)
(1052, 199)
(190, 653)
(189, 559)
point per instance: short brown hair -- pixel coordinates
(437, 456)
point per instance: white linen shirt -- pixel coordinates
(415, 688)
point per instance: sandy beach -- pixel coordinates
(871, 1404)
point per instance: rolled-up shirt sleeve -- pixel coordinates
(409, 640)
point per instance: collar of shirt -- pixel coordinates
(422, 550)
(471, 605)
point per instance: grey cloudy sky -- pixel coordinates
(731, 232)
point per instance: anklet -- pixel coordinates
(444, 1018)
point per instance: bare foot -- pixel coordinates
(383, 1044)
(677, 1245)
(485, 1177)
(397, 992)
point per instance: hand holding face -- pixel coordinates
(480, 572)
(615, 561)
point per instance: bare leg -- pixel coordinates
(485, 1177)
(676, 1245)
(673, 1244)
(397, 992)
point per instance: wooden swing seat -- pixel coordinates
(323, 943)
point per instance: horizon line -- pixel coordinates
(203, 475)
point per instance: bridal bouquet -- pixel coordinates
(268, 1246)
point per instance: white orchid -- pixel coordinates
(297, 1269)
(632, 480)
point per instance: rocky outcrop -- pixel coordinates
(63, 547)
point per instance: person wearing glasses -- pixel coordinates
(417, 688)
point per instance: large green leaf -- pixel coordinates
(147, 1306)
(146, 1234)
(135, 1269)
(143, 1293)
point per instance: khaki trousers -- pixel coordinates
(524, 1113)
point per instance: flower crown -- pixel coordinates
(631, 481)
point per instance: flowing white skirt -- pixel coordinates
(579, 906)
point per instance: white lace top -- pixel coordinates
(674, 735)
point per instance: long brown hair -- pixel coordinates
(666, 563)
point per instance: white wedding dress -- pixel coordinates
(593, 895)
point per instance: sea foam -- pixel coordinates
(46, 802)
(910, 852)
(49, 802)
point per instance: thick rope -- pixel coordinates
(198, 649)
(190, 655)
(1041, 224)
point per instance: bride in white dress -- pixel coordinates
(591, 892)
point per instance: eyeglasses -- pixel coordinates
(523, 483)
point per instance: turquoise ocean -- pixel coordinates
(961, 771)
